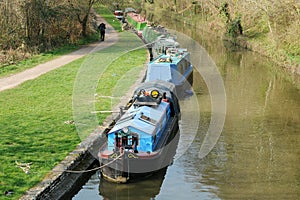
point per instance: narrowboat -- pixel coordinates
(137, 21)
(144, 139)
(118, 14)
(152, 33)
(163, 43)
(172, 65)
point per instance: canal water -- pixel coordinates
(257, 155)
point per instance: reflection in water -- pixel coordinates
(262, 130)
(142, 189)
(258, 153)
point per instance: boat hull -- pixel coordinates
(185, 85)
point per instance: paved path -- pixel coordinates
(111, 37)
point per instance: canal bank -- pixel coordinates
(81, 158)
(69, 175)
(274, 39)
(60, 182)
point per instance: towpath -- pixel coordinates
(111, 37)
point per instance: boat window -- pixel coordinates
(183, 66)
(186, 64)
(130, 141)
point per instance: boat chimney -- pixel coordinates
(121, 110)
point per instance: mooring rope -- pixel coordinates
(90, 170)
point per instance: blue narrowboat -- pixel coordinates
(144, 139)
(172, 65)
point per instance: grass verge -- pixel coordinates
(33, 115)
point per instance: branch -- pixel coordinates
(24, 166)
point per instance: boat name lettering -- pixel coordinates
(132, 156)
(114, 155)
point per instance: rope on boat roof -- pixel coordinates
(90, 170)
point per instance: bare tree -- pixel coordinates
(40, 25)
(82, 10)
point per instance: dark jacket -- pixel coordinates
(102, 27)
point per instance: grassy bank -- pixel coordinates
(33, 116)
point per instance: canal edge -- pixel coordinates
(59, 184)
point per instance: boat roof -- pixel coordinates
(137, 17)
(146, 116)
(143, 118)
(129, 9)
(173, 55)
(169, 42)
(160, 72)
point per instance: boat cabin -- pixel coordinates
(173, 65)
(142, 126)
(165, 43)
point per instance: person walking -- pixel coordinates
(102, 28)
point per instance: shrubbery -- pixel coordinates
(272, 26)
(34, 26)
